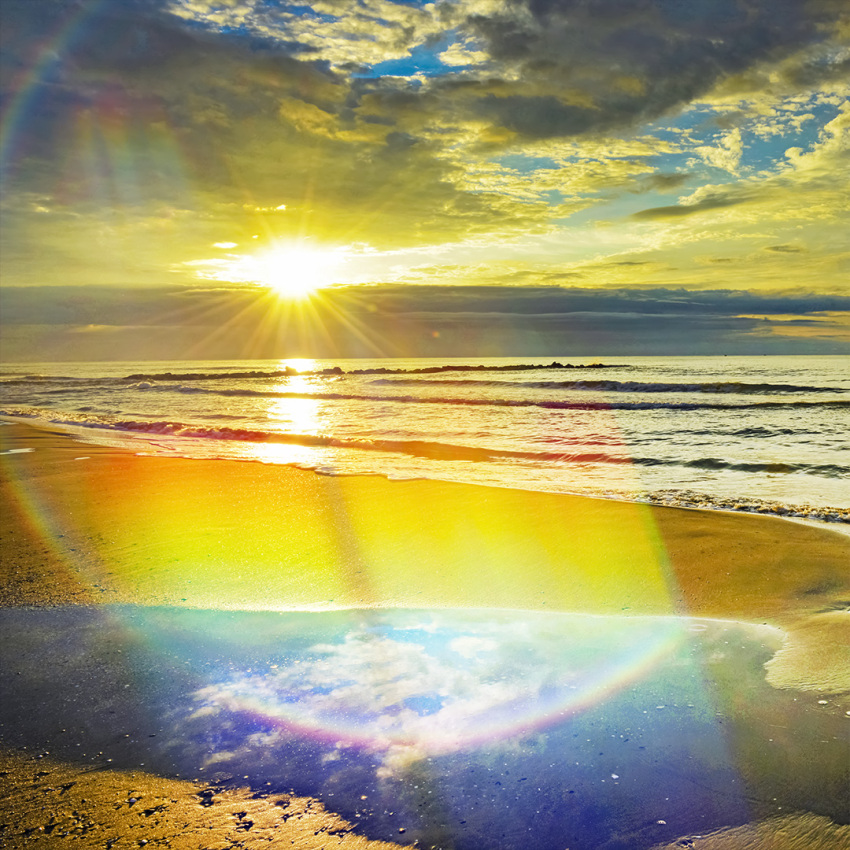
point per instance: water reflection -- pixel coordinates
(300, 364)
(293, 416)
(297, 415)
(468, 729)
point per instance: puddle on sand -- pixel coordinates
(479, 729)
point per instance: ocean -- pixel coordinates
(758, 434)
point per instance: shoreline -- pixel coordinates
(87, 526)
(370, 517)
(825, 516)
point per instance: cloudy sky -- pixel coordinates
(252, 178)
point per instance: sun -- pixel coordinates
(291, 270)
(296, 271)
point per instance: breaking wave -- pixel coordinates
(736, 387)
(736, 429)
(442, 451)
(552, 404)
(375, 370)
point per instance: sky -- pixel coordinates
(257, 179)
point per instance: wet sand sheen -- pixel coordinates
(244, 536)
(123, 528)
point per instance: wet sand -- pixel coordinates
(48, 803)
(87, 525)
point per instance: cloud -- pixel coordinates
(801, 187)
(399, 699)
(711, 198)
(556, 135)
(449, 686)
(217, 132)
(343, 34)
(408, 320)
(726, 153)
(659, 182)
(666, 53)
(463, 55)
(785, 249)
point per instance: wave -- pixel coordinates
(416, 448)
(736, 387)
(828, 470)
(375, 370)
(706, 501)
(434, 450)
(551, 404)
(750, 431)
(35, 377)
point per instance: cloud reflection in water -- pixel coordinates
(471, 729)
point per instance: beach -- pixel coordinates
(424, 424)
(103, 525)
(94, 535)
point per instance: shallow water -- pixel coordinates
(471, 729)
(741, 433)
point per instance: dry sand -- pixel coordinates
(84, 524)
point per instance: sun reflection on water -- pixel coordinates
(300, 364)
(297, 415)
(292, 416)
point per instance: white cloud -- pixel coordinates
(470, 645)
(442, 689)
(463, 54)
(726, 153)
(832, 146)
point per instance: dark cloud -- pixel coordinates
(785, 249)
(715, 201)
(660, 182)
(811, 73)
(560, 68)
(587, 65)
(133, 114)
(538, 301)
(541, 116)
(574, 68)
(120, 73)
(120, 322)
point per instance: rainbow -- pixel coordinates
(488, 710)
(25, 84)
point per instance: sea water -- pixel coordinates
(767, 434)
